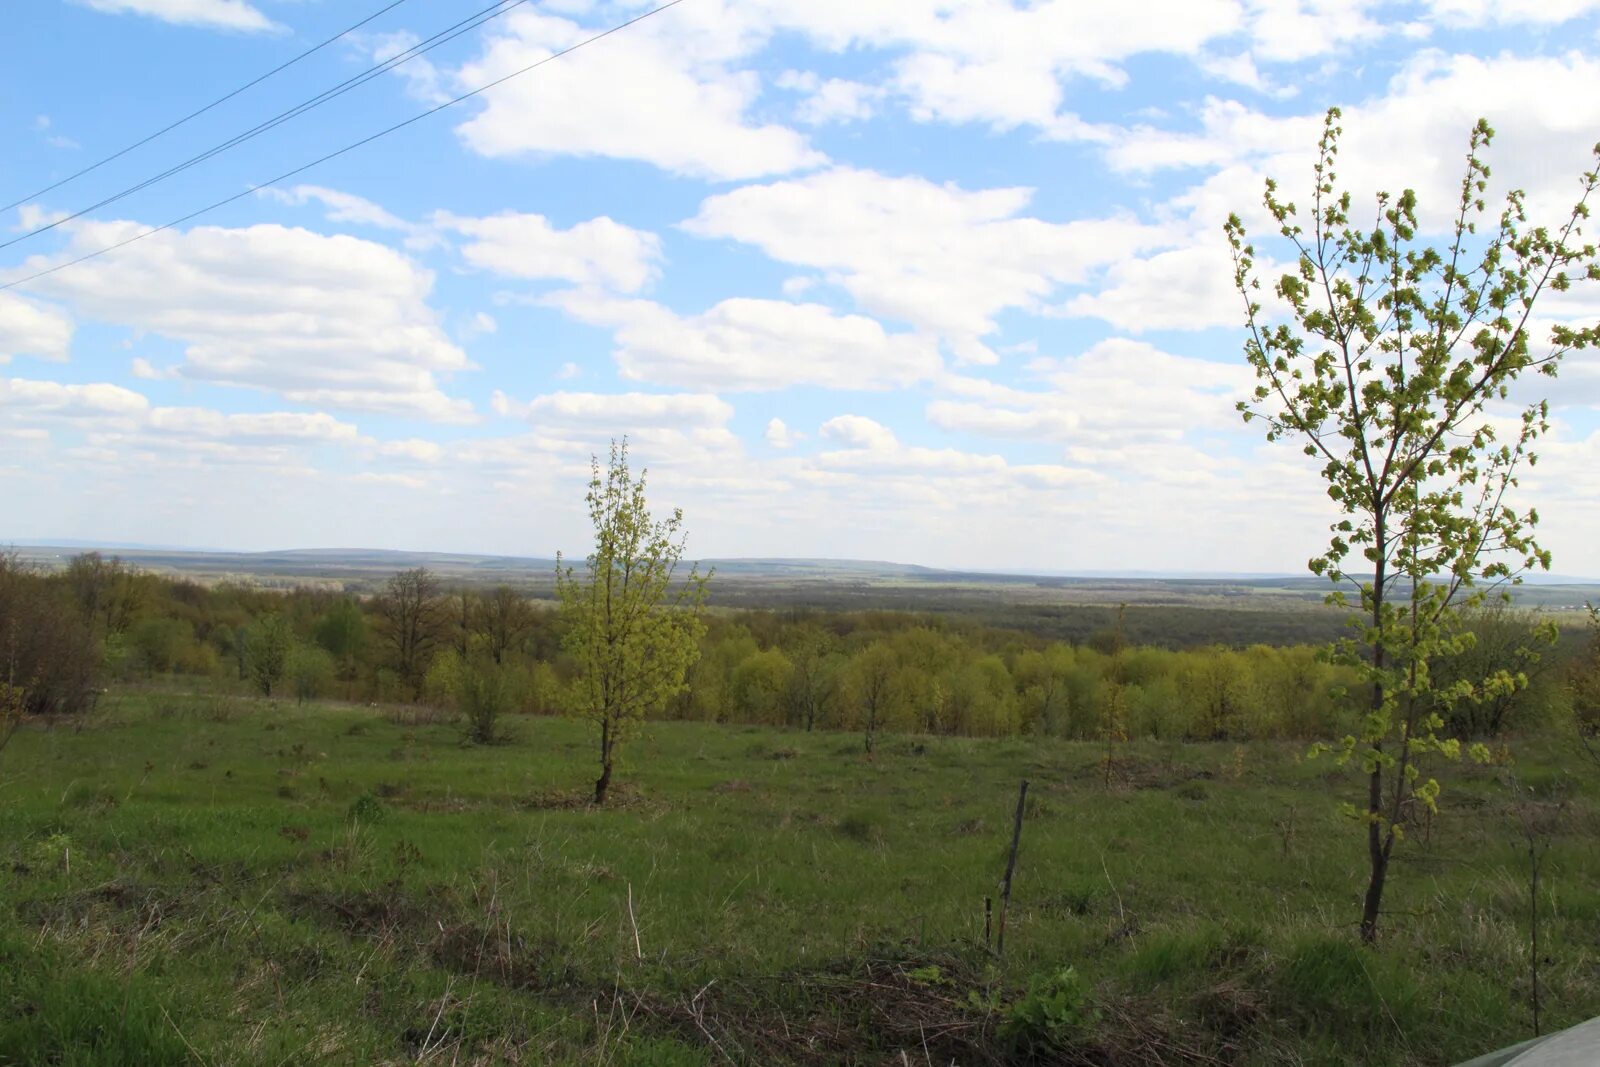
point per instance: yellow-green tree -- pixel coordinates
(1383, 371)
(633, 624)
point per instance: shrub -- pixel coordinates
(1054, 1012)
(310, 671)
(47, 648)
(482, 693)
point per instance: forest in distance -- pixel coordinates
(971, 671)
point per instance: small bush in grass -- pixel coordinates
(859, 826)
(1054, 1012)
(366, 808)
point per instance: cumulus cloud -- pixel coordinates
(326, 321)
(216, 14)
(1182, 289)
(832, 99)
(668, 92)
(28, 328)
(340, 206)
(745, 344)
(1412, 135)
(780, 436)
(29, 398)
(1117, 391)
(870, 456)
(619, 413)
(599, 252)
(938, 256)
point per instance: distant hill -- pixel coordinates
(783, 582)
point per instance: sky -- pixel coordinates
(930, 281)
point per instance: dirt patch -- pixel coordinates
(357, 912)
(869, 1011)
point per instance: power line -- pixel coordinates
(444, 36)
(196, 114)
(552, 57)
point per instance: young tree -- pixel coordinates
(814, 679)
(481, 690)
(1393, 352)
(634, 625)
(1583, 685)
(413, 619)
(310, 670)
(342, 632)
(870, 677)
(266, 651)
(504, 618)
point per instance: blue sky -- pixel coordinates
(940, 282)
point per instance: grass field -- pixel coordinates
(208, 879)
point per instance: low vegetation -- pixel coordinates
(263, 881)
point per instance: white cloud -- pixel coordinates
(401, 481)
(325, 321)
(32, 329)
(1183, 289)
(1414, 135)
(780, 436)
(858, 431)
(341, 206)
(1452, 13)
(1286, 31)
(414, 449)
(282, 427)
(218, 14)
(996, 62)
(1115, 393)
(31, 398)
(664, 93)
(423, 80)
(479, 325)
(938, 256)
(745, 344)
(831, 100)
(619, 413)
(597, 252)
(875, 460)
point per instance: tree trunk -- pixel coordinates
(1377, 855)
(1378, 860)
(603, 783)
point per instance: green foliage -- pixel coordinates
(1583, 683)
(310, 671)
(759, 683)
(79, 1017)
(870, 680)
(482, 693)
(633, 624)
(1383, 374)
(49, 659)
(342, 633)
(483, 881)
(367, 809)
(1055, 1010)
(266, 648)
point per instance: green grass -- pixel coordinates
(204, 879)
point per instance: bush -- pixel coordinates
(310, 672)
(1055, 1011)
(47, 647)
(482, 693)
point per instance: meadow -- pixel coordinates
(189, 876)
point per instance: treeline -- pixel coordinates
(65, 633)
